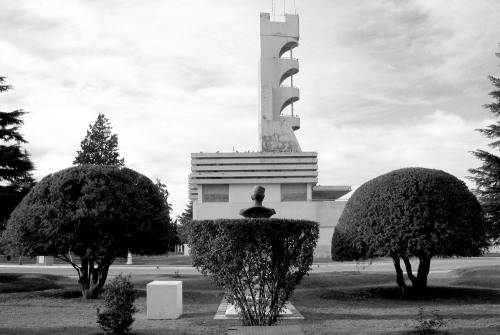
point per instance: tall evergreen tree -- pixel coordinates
(182, 221)
(173, 239)
(16, 167)
(99, 147)
(487, 177)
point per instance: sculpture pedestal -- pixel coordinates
(164, 300)
(232, 310)
(225, 306)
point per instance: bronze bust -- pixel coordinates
(257, 210)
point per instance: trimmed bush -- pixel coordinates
(98, 213)
(411, 212)
(258, 261)
(119, 297)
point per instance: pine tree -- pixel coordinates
(164, 192)
(183, 220)
(173, 239)
(487, 177)
(99, 147)
(15, 164)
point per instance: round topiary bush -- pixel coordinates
(96, 212)
(258, 261)
(411, 212)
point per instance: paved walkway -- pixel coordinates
(438, 265)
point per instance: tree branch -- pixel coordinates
(65, 258)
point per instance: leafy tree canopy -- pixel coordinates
(410, 212)
(487, 176)
(100, 146)
(96, 212)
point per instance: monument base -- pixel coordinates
(233, 310)
(224, 306)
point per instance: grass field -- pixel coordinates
(333, 303)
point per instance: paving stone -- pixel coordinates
(266, 330)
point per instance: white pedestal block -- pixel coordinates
(164, 299)
(45, 260)
(129, 259)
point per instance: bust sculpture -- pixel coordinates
(257, 210)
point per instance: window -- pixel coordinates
(215, 193)
(293, 192)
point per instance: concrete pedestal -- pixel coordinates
(164, 300)
(129, 259)
(45, 260)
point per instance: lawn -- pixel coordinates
(333, 303)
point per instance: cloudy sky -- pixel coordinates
(384, 84)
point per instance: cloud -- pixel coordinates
(356, 154)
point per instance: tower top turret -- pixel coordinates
(276, 131)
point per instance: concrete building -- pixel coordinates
(220, 184)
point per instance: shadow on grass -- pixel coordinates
(441, 294)
(19, 282)
(386, 316)
(50, 330)
(478, 276)
(192, 315)
(57, 294)
(346, 279)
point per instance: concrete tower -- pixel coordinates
(276, 131)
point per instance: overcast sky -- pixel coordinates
(383, 84)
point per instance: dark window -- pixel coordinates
(215, 193)
(293, 192)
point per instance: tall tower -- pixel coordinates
(277, 39)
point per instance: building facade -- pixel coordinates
(220, 184)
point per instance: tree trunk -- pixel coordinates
(92, 279)
(399, 275)
(420, 281)
(423, 271)
(99, 277)
(83, 279)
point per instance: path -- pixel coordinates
(437, 266)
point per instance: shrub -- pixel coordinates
(119, 296)
(411, 212)
(428, 326)
(258, 261)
